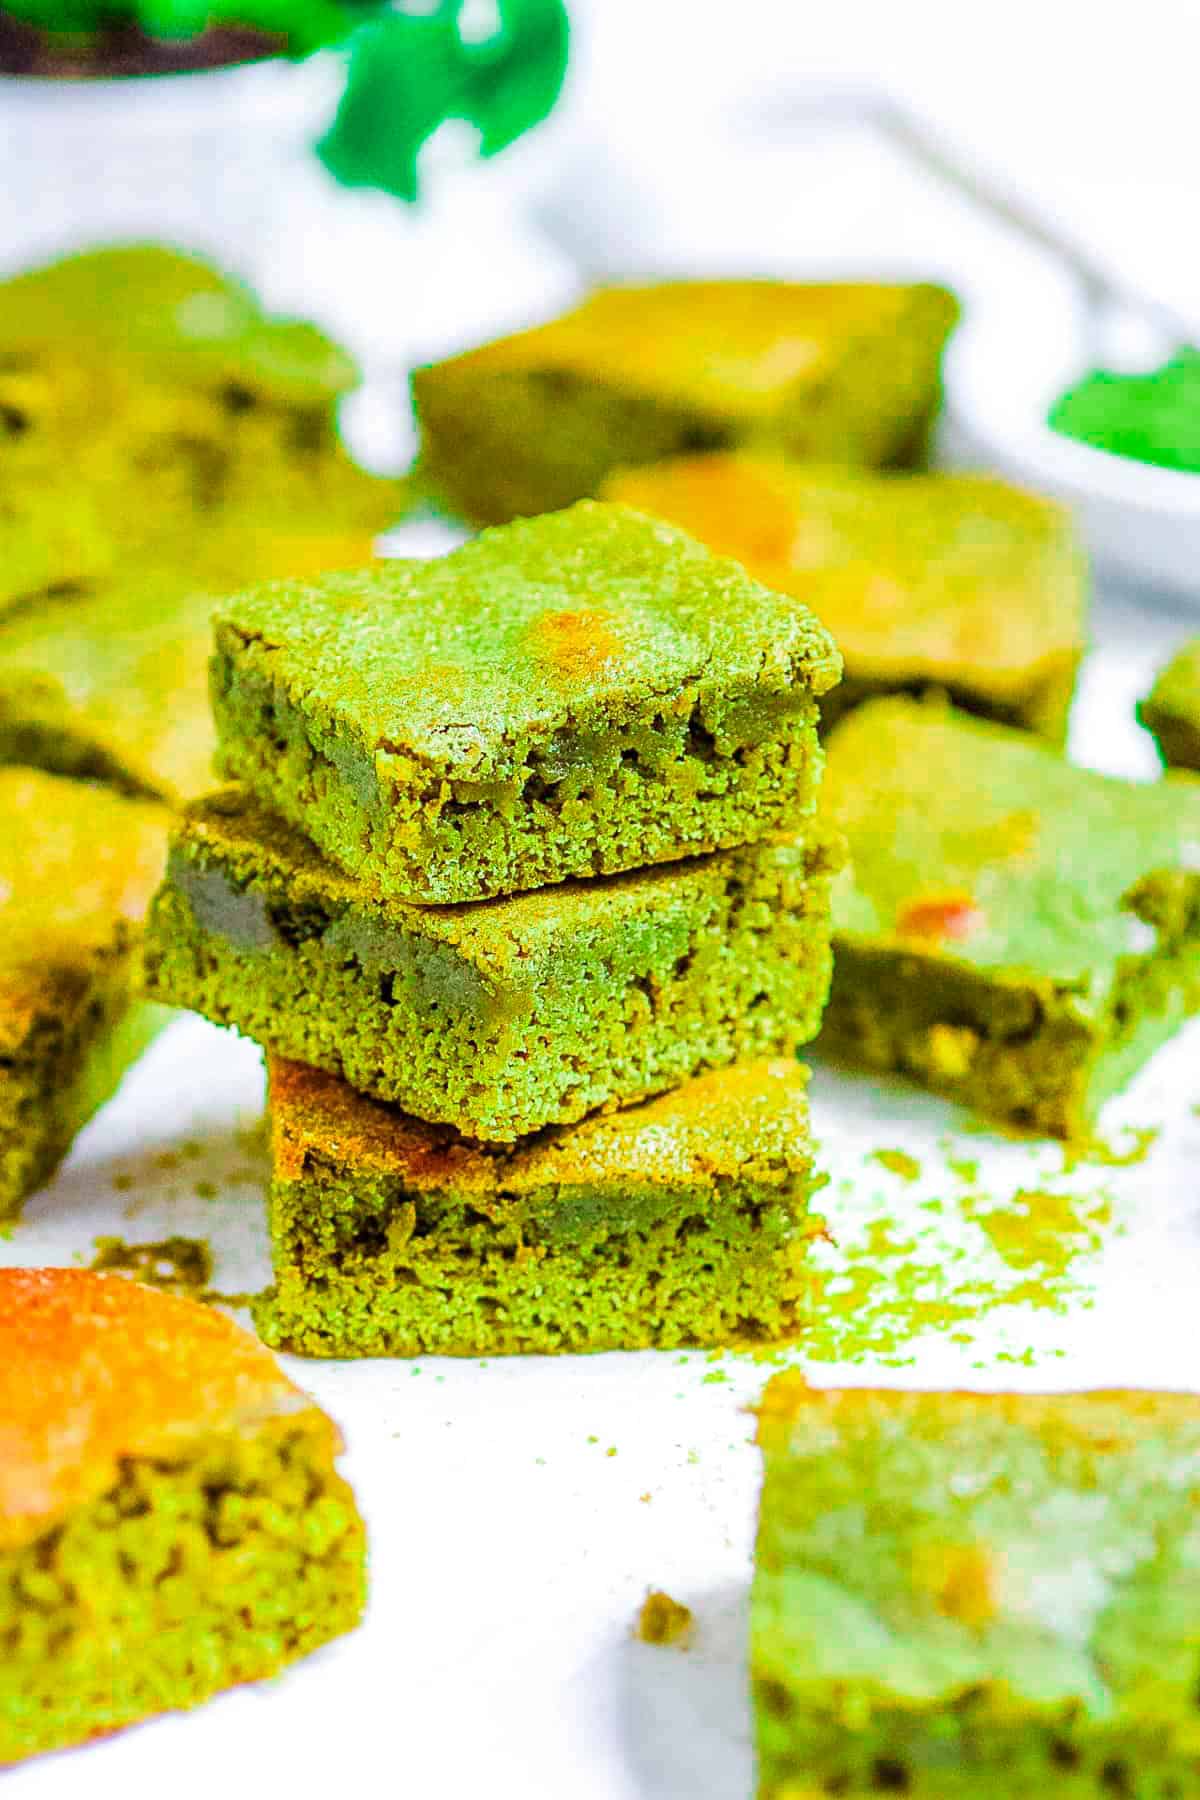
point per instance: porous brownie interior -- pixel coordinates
(736, 966)
(366, 1267)
(189, 1575)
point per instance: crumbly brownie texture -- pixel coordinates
(77, 869)
(681, 1221)
(141, 391)
(573, 695)
(1171, 710)
(846, 373)
(958, 582)
(113, 685)
(1017, 933)
(509, 1015)
(976, 1596)
(171, 1521)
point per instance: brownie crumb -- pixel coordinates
(178, 1265)
(664, 1621)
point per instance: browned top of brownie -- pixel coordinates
(729, 1122)
(96, 1368)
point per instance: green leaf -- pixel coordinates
(410, 73)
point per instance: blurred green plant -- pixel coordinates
(410, 73)
(413, 65)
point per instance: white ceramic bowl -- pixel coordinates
(1012, 357)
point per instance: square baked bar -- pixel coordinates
(509, 1015)
(573, 695)
(77, 869)
(112, 685)
(1017, 933)
(684, 1220)
(168, 387)
(957, 582)
(967, 1595)
(1171, 710)
(171, 1518)
(842, 372)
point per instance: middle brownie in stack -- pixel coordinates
(591, 706)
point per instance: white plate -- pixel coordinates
(1011, 358)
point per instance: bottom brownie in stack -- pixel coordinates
(684, 1220)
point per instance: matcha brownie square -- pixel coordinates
(1171, 710)
(960, 1595)
(171, 1518)
(1017, 933)
(956, 582)
(504, 1016)
(77, 870)
(684, 1220)
(112, 685)
(842, 372)
(573, 695)
(193, 399)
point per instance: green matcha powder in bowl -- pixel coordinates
(1024, 396)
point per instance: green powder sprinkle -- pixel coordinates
(1150, 418)
(898, 1162)
(1106, 1156)
(964, 1169)
(206, 1190)
(979, 1262)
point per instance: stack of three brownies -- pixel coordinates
(522, 889)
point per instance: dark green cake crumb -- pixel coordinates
(898, 1162)
(662, 1620)
(179, 1265)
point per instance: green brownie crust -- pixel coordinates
(572, 695)
(844, 372)
(502, 1017)
(950, 581)
(1018, 934)
(684, 1220)
(1171, 710)
(77, 869)
(964, 1595)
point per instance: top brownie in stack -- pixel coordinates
(574, 695)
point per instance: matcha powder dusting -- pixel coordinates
(1152, 417)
